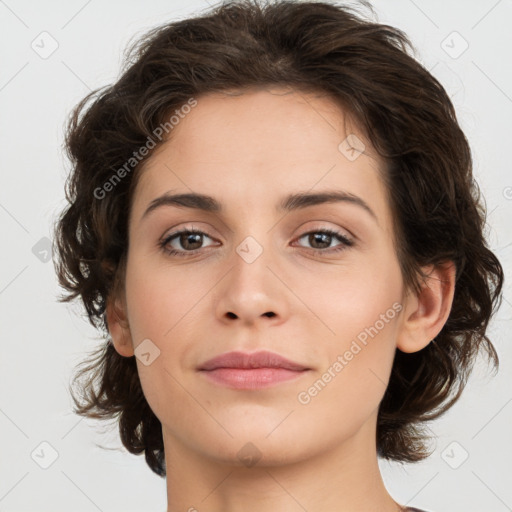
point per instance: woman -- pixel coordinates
(272, 217)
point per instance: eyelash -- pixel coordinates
(173, 252)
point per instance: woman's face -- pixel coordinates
(261, 276)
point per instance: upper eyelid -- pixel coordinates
(322, 227)
(173, 232)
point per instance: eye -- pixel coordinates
(189, 239)
(324, 237)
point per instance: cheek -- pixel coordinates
(362, 309)
(351, 299)
(159, 300)
(163, 306)
(348, 389)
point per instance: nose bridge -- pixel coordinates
(253, 257)
(253, 235)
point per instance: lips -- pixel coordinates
(243, 360)
(250, 372)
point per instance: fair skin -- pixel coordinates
(248, 152)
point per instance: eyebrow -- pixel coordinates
(289, 203)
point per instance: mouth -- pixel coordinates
(239, 370)
(255, 378)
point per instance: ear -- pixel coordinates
(117, 321)
(426, 313)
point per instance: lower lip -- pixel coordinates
(251, 378)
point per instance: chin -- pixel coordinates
(252, 446)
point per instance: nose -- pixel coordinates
(253, 292)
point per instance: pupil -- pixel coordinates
(189, 237)
(321, 236)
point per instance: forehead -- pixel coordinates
(251, 147)
(260, 125)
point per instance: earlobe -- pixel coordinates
(426, 313)
(119, 328)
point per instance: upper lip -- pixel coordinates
(261, 359)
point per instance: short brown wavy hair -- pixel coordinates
(404, 111)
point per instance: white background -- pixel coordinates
(42, 340)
